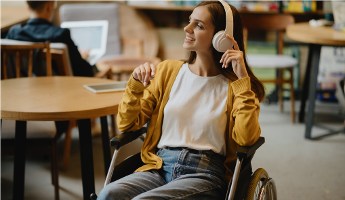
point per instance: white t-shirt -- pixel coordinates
(195, 114)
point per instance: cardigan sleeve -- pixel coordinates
(245, 112)
(136, 106)
(139, 103)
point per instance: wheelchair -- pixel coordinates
(244, 185)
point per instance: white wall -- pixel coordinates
(13, 3)
(23, 2)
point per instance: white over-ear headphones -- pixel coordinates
(220, 42)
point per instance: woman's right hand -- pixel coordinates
(144, 73)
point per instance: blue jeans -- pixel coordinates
(186, 174)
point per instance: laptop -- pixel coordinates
(90, 35)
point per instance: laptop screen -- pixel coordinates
(91, 35)
(87, 37)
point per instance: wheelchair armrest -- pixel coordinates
(126, 138)
(246, 151)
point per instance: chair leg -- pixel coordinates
(113, 124)
(280, 90)
(110, 74)
(117, 77)
(0, 124)
(52, 165)
(292, 97)
(67, 145)
(55, 169)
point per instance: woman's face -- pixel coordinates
(199, 31)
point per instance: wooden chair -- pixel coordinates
(123, 66)
(273, 22)
(40, 139)
(27, 50)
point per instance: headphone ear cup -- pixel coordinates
(216, 39)
(220, 42)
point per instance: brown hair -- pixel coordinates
(36, 5)
(217, 12)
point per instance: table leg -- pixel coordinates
(106, 144)
(304, 95)
(312, 90)
(86, 157)
(19, 160)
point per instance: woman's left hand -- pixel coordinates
(235, 56)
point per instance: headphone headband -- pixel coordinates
(229, 18)
(220, 42)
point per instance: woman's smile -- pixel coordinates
(189, 39)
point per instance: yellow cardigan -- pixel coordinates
(141, 104)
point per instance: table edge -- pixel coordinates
(58, 116)
(305, 39)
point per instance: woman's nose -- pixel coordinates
(187, 29)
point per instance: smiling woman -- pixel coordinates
(200, 27)
(200, 111)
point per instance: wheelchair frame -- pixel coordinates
(249, 183)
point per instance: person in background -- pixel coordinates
(40, 29)
(201, 111)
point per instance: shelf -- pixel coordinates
(318, 12)
(191, 8)
(183, 8)
(162, 7)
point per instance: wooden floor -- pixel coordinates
(302, 169)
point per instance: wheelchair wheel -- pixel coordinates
(261, 187)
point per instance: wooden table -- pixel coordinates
(57, 99)
(11, 15)
(125, 65)
(315, 37)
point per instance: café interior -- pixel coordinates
(295, 48)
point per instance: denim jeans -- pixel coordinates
(186, 174)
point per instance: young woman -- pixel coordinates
(200, 111)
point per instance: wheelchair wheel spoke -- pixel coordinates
(261, 186)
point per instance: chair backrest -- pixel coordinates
(268, 22)
(16, 56)
(24, 50)
(60, 55)
(96, 11)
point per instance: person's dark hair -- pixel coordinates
(218, 20)
(36, 5)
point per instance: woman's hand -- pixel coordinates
(144, 73)
(235, 56)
